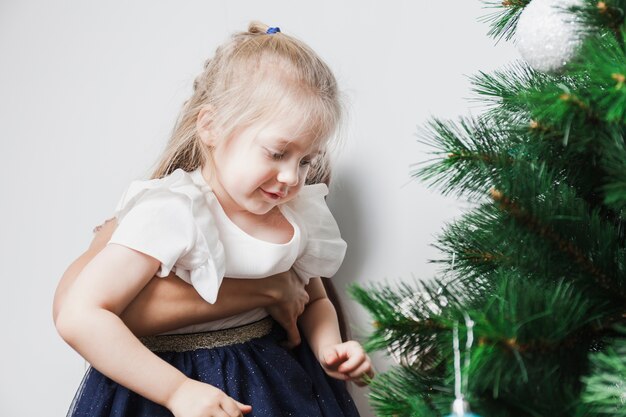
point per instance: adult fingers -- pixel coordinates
(102, 234)
(287, 319)
(293, 335)
(304, 296)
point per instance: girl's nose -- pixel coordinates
(288, 175)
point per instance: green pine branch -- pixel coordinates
(539, 263)
(504, 20)
(404, 392)
(531, 342)
(605, 387)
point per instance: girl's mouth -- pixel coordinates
(273, 196)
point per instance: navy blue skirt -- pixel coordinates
(275, 381)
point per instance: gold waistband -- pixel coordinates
(208, 340)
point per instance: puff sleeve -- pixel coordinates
(168, 219)
(324, 249)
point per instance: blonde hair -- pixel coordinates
(255, 77)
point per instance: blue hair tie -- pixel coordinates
(271, 31)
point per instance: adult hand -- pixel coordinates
(102, 234)
(291, 301)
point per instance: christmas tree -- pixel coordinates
(528, 314)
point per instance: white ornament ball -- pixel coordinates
(548, 34)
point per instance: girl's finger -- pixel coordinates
(338, 375)
(222, 413)
(361, 382)
(354, 361)
(231, 408)
(244, 408)
(364, 370)
(331, 356)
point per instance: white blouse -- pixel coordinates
(178, 220)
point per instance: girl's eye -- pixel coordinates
(277, 156)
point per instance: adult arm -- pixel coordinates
(170, 303)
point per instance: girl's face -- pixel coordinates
(262, 165)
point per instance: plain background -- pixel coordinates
(89, 92)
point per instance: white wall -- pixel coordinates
(89, 92)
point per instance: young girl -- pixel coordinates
(227, 199)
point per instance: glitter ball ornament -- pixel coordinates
(548, 34)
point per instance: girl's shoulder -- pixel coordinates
(179, 182)
(313, 190)
(310, 201)
(324, 249)
(169, 219)
(313, 214)
(180, 197)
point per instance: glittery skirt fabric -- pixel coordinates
(275, 381)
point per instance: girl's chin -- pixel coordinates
(261, 209)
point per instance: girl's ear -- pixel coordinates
(205, 126)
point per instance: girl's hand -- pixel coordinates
(347, 361)
(197, 399)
